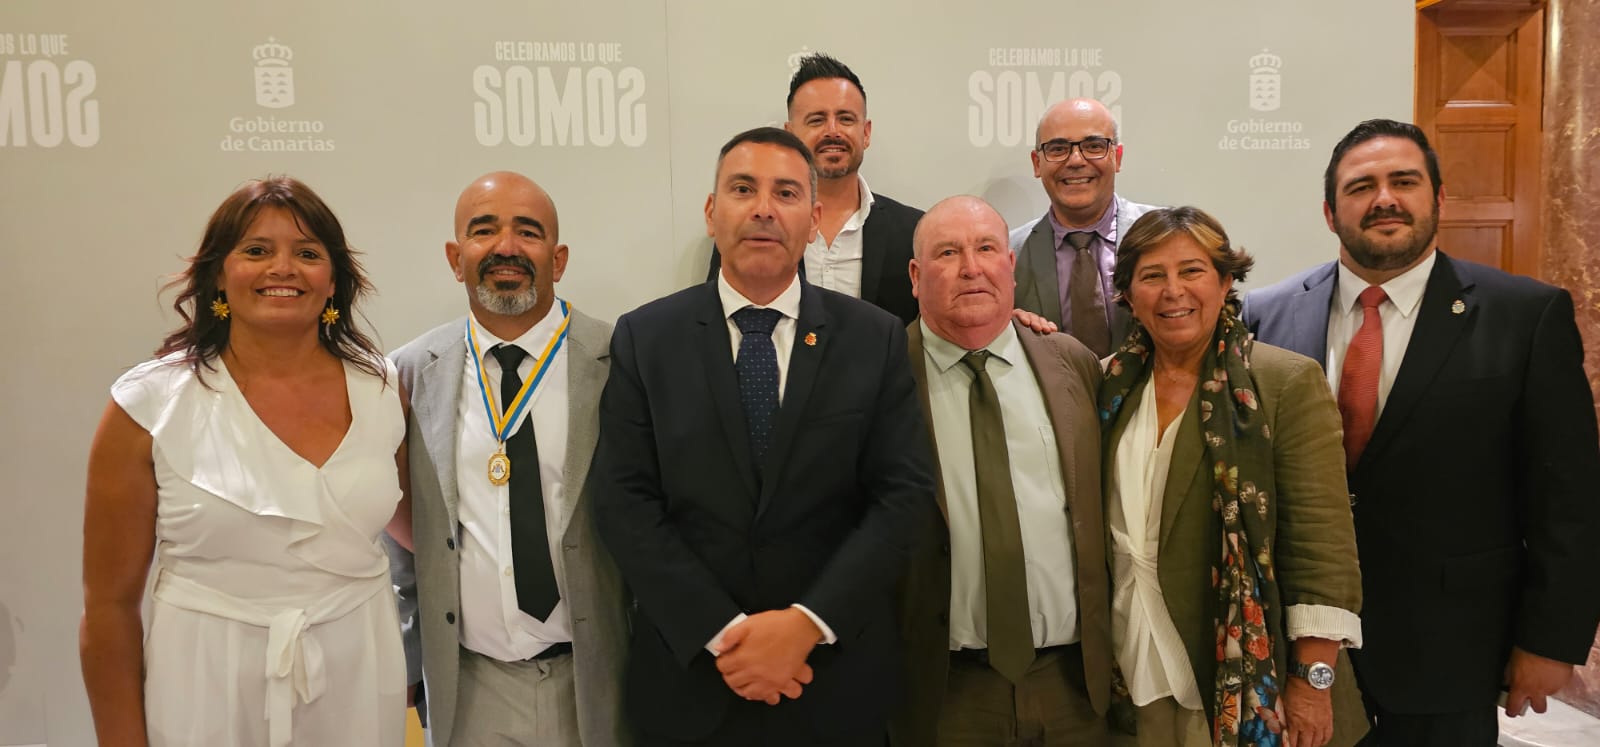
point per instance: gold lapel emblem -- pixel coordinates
(1459, 307)
(811, 339)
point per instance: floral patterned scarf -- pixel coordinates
(1238, 445)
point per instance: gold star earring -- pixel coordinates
(219, 306)
(330, 316)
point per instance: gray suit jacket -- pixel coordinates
(1039, 291)
(431, 369)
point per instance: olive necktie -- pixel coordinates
(1005, 582)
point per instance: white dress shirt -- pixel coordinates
(491, 622)
(837, 266)
(788, 304)
(1398, 314)
(1146, 641)
(1036, 480)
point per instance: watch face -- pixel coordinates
(1320, 676)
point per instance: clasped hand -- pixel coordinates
(764, 657)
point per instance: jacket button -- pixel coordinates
(450, 542)
(944, 549)
(944, 618)
(1353, 500)
(450, 617)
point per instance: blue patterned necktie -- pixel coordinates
(758, 375)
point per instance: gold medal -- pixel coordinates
(500, 467)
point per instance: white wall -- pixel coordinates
(96, 210)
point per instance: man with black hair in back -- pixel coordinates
(863, 242)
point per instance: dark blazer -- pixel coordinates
(1038, 288)
(1069, 377)
(701, 538)
(885, 257)
(1474, 502)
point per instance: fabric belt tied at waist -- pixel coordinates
(294, 662)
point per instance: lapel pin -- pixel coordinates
(811, 338)
(1459, 307)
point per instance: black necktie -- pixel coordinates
(530, 546)
(758, 375)
(1088, 296)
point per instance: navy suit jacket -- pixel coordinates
(700, 537)
(885, 257)
(1475, 501)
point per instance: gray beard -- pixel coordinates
(506, 304)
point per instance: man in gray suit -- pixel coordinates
(1064, 258)
(520, 610)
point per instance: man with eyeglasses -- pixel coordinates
(1064, 258)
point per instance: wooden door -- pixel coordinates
(1479, 98)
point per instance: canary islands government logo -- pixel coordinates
(258, 132)
(274, 76)
(1266, 82)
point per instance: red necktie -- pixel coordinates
(1358, 380)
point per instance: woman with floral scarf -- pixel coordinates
(1235, 583)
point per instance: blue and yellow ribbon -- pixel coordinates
(502, 422)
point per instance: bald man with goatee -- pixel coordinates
(513, 612)
(1006, 608)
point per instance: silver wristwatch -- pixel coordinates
(1318, 674)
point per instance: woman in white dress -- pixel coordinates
(256, 459)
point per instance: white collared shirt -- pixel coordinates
(1398, 314)
(491, 622)
(788, 304)
(1149, 649)
(1036, 481)
(837, 266)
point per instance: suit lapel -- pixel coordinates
(586, 376)
(1051, 373)
(434, 405)
(716, 360)
(1306, 316)
(1188, 459)
(804, 362)
(872, 259)
(1040, 254)
(919, 373)
(1438, 328)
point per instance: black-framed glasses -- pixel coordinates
(1092, 148)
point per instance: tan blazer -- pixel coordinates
(1314, 542)
(1069, 377)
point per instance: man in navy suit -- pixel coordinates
(1471, 443)
(762, 470)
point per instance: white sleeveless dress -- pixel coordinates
(273, 620)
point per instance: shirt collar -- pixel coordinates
(1105, 228)
(787, 302)
(946, 354)
(1404, 290)
(532, 341)
(860, 217)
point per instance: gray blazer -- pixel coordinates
(1039, 291)
(431, 369)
